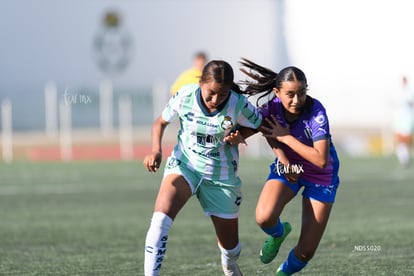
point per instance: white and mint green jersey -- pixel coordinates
(200, 139)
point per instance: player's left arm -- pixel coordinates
(317, 155)
(153, 160)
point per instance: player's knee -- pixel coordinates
(264, 221)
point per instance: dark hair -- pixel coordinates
(265, 79)
(220, 72)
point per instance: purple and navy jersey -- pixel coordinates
(311, 126)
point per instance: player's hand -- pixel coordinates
(292, 177)
(152, 161)
(274, 129)
(235, 138)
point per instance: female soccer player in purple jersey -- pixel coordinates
(296, 126)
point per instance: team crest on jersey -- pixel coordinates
(227, 123)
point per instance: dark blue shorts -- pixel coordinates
(319, 192)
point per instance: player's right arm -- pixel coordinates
(153, 160)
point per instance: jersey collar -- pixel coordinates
(204, 109)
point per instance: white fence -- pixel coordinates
(59, 112)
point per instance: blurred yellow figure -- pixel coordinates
(191, 75)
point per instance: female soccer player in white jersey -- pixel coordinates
(297, 128)
(202, 163)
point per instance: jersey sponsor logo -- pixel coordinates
(206, 154)
(328, 190)
(238, 201)
(173, 162)
(206, 123)
(189, 116)
(207, 140)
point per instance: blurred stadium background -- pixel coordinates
(84, 80)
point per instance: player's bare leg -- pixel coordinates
(315, 215)
(273, 198)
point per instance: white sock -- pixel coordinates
(156, 243)
(229, 257)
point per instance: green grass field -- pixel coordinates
(90, 218)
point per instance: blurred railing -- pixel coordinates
(84, 119)
(112, 124)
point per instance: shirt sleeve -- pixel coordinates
(264, 110)
(320, 125)
(169, 112)
(249, 115)
(272, 107)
